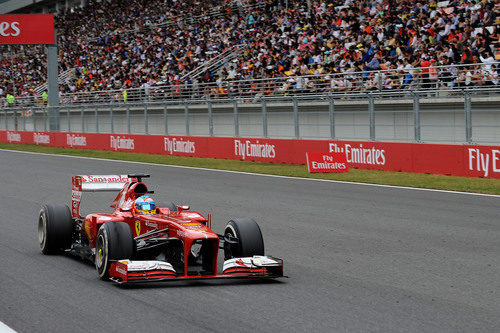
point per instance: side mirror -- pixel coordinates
(183, 207)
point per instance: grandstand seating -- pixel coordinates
(289, 47)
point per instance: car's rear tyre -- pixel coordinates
(169, 204)
(249, 239)
(55, 228)
(114, 242)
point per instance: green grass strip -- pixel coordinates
(451, 183)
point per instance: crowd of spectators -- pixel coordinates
(125, 44)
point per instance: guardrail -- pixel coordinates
(471, 116)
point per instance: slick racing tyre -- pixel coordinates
(55, 228)
(169, 204)
(114, 242)
(249, 239)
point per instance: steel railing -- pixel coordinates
(438, 81)
(215, 62)
(469, 116)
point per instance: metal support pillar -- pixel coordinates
(296, 117)
(14, 115)
(112, 125)
(146, 122)
(264, 118)
(468, 120)
(34, 119)
(371, 110)
(53, 87)
(236, 119)
(331, 111)
(96, 119)
(186, 118)
(83, 118)
(165, 118)
(69, 120)
(24, 121)
(6, 121)
(210, 119)
(128, 119)
(416, 117)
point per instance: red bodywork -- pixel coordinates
(185, 225)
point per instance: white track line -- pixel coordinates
(257, 174)
(5, 329)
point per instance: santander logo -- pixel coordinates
(9, 29)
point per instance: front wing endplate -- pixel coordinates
(130, 271)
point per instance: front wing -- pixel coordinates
(128, 271)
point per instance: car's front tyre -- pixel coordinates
(249, 241)
(114, 242)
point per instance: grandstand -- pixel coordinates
(189, 49)
(38, 7)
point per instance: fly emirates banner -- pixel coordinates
(457, 160)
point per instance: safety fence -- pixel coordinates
(435, 80)
(470, 116)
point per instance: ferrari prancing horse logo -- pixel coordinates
(138, 227)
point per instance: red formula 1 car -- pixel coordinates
(168, 242)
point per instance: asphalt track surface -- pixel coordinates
(359, 258)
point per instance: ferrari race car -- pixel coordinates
(166, 243)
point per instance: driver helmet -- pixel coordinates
(144, 205)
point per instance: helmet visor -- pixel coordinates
(146, 207)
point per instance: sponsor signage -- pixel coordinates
(41, 138)
(13, 137)
(121, 143)
(356, 153)
(326, 162)
(27, 29)
(483, 162)
(105, 179)
(457, 160)
(73, 140)
(251, 149)
(173, 145)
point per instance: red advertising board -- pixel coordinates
(27, 29)
(326, 162)
(456, 160)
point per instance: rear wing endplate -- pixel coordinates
(94, 183)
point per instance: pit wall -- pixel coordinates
(443, 159)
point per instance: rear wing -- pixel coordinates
(95, 183)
